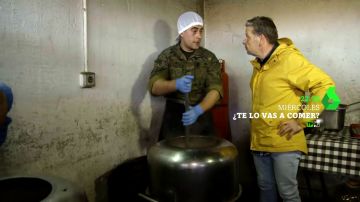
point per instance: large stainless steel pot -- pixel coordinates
(194, 168)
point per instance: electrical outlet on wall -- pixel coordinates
(87, 79)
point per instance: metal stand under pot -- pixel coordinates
(193, 168)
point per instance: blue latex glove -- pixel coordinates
(183, 84)
(8, 94)
(192, 115)
(6, 90)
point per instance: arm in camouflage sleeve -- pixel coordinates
(214, 85)
(159, 83)
(163, 87)
(210, 100)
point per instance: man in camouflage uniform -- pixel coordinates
(187, 70)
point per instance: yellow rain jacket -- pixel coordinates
(278, 87)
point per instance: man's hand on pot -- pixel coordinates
(183, 84)
(189, 117)
(289, 128)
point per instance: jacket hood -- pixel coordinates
(285, 44)
(286, 41)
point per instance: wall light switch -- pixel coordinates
(87, 79)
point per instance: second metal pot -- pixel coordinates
(334, 119)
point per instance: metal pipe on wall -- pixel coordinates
(85, 37)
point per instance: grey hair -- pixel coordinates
(264, 25)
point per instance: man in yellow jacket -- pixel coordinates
(281, 76)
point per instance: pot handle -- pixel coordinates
(354, 103)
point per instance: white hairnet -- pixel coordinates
(187, 20)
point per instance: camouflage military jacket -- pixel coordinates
(203, 64)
